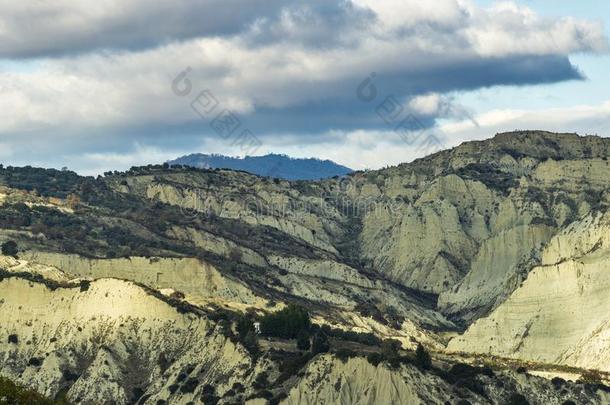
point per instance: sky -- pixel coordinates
(97, 86)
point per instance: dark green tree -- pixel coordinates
(303, 342)
(250, 342)
(423, 357)
(244, 325)
(286, 323)
(10, 248)
(246, 334)
(517, 399)
(390, 352)
(10, 393)
(389, 349)
(320, 343)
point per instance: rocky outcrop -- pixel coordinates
(469, 223)
(560, 313)
(281, 208)
(112, 341)
(349, 299)
(498, 268)
(355, 381)
(187, 275)
(330, 380)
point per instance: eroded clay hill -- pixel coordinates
(115, 341)
(503, 239)
(561, 312)
(467, 224)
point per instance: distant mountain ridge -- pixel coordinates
(271, 165)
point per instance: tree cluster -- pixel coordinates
(287, 323)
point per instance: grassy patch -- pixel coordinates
(11, 393)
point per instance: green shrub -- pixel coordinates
(261, 381)
(474, 385)
(490, 175)
(466, 376)
(462, 370)
(190, 385)
(10, 393)
(291, 365)
(84, 285)
(35, 362)
(67, 375)
(246, 334)
(9, 248)
(389, 349)
(229, 393)
(209, 399)
(138, 393)
(278, 398)
(344, 354)
(558, 382)
(303, 342)
(517, 399)
(208, 389)
(364, 338)
(320, 343)
(47, 182)
(374, 358)
(250, 342)
(263, 394)
(244, 325)
(591, 377)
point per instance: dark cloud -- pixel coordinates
(36, 29)
(343, 110)
(70, 27)
(475, 72)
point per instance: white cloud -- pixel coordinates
(97, 163)
(377, 149)
(132, 87)
(358, 149)
(507, 28)
(582, 119)
(282, 66)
